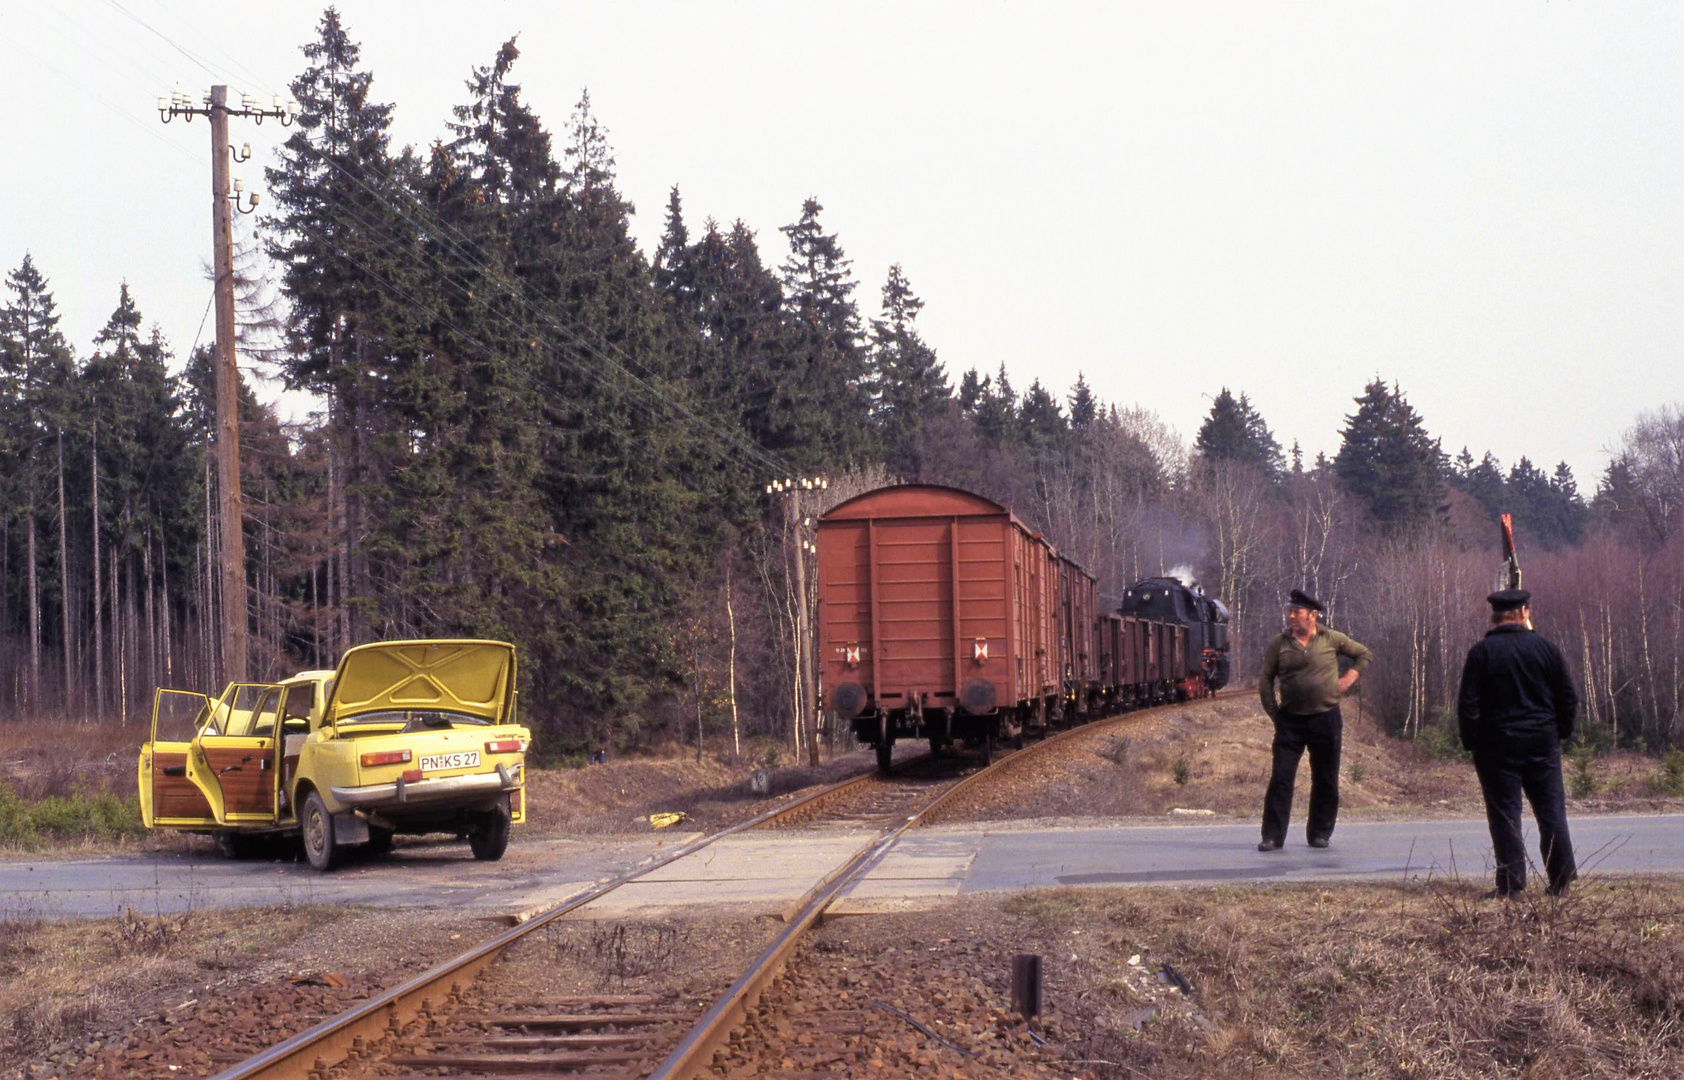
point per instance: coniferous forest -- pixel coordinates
(531, 429)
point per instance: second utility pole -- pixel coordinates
(229, 517)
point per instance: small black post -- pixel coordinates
(1026, 984)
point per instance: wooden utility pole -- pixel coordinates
(227, 402)
(223, 204)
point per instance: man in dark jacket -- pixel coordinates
(1304, 658)
(1515, 710)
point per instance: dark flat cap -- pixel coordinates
(1508, 599)
(1300, 598)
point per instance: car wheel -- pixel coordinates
(490, 837)
(379, 840)
(319, 846)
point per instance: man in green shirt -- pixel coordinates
(1304, 658)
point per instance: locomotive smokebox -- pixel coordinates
(848, 699)
(979, 697)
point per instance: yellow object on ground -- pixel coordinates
(661, 821)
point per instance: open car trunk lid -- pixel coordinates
(475, 678)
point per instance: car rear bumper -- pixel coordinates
(440, 790)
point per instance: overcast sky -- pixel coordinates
(1479, 201)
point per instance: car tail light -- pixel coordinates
(387, 757)
(503, 746)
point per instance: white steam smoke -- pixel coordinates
(1185, 573)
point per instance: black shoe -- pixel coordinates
(1318, 841)
(1501, 894)
(1269, 845)
(1558, 890)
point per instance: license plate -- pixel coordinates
(461, 759)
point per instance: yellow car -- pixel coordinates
(402, 737)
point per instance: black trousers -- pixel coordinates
(1536, 771)
(1321, 734)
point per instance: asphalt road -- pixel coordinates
(770, 870)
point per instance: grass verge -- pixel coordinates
(63, 981)
(1420, 980)
(78, 816)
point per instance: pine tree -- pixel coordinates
(675, 270)
(1531, 501)
(1620, 501)
(822, 405)
(1461, 467)
(1041, 420)
(1084, 406)
(35, 368)
(1235, 431)
(973, 390)
(1388, 460)
(350, 268)
(906, 381)
(148, 478)
(738, 328)
(996, 413)
(1487, 484)
(1571, 512)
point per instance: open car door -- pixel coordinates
(232, 760)
(168, 796)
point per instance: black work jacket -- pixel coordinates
(1515, 688)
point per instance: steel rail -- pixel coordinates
(331, 1040)
(695, 1052)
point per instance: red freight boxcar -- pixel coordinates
(1078, 603)
(938, 618)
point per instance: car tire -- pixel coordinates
(317, 833)
(490, 835)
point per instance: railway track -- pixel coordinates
(451, 1021)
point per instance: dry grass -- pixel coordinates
(1215, 755)
(41, 759)
(1425, 981)
(61, 980)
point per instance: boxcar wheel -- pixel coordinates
(490, 836)
(319, 846)
(986, 745)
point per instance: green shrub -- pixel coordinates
(1672, 773)
(1442, 740)
(83, 815)
(1582, 782)
(80, 815)
(1117, 751)
(1357, 771)
(14, 816)
(1182, 770)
